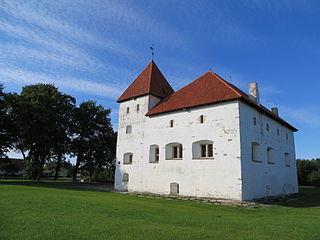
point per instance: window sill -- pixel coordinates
(127, 164)
(174, 158)
(203, 158)
(154, 162)
(288, 165)
(256, 161)
(271, 163)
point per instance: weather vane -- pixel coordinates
(152, 53)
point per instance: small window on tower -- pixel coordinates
(254, 121)
(286, 136)
(128, 109)
(171, 123)
(138, 108)
(201, 119)
(128, 129)
(267, 127)
(278, 132)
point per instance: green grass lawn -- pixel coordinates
(40, 212)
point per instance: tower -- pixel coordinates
(143, 94)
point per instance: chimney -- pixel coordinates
(254, 92)
(275, 111)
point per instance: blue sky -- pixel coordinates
(94, 50)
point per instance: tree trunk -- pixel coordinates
(56, 175)
(76, 167)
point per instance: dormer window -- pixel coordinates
(128, 110)
(138, 107)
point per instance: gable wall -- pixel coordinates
(261, 179)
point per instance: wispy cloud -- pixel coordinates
(68, 83)
(40, 16)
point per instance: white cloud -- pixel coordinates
(67, 83)
(40, 16)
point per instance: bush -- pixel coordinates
(314, 178)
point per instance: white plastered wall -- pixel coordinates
(219, 177)
(262, 179)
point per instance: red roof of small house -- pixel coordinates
(149, 81)
(15, 161)
(209, 88)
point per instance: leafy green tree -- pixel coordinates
(37, 113)
(93, 137)
(5, 125)
(314, 178)
(305, 168)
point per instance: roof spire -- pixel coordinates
(152, 52)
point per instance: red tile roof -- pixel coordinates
(150, 81)
(209, 88)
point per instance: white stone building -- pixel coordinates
(209, 139)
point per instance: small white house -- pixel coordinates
(209, 139)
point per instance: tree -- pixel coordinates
(37, 113)
(93, 137)
(314, 178)
(5, 125)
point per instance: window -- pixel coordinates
(270, 155)
(128, 129)
(171, 123)
(287, 159)
(174, 151)
(206, 150)
(201, 119)
(278, 132)
(286, 136)
(128, 110)
(254, 121)
(267, 127)
(202, 149)
(255, 152)
(127, 158)
(177, 151)
(125, 177)
(138, 107)
(154, 154)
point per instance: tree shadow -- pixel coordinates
(101, 187)
(308, 196)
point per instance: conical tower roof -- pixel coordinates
(149, 81)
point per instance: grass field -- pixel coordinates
(47, 212)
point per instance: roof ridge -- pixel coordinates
(226, 83)
(150, 75)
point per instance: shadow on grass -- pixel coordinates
(103, 187)
(308, 196)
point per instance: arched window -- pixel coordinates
(154, 154)
(125, 177)
(174, 151)
(128, 129)
(202, 149)
(255, 152)
(270, 156)
(127, 158)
